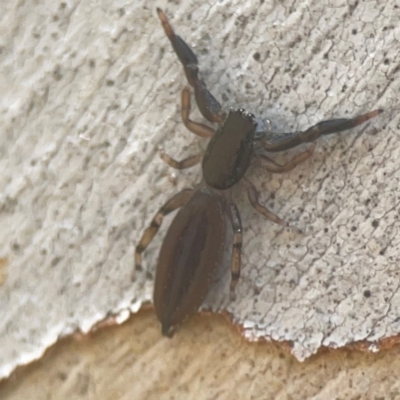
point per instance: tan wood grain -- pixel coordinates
(206, 359)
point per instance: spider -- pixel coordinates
(197, 238)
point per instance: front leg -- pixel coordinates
(207, 103)
(195, 127)
(272, 166)
(288, 140)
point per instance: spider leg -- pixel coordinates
(234, 217)
(177, 201)
(183, 164)
(195, 127)
(253, 197)
(208, 105)
(272, 166)
(289, 140)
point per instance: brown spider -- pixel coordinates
(194, 245)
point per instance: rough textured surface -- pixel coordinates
(90, 89)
